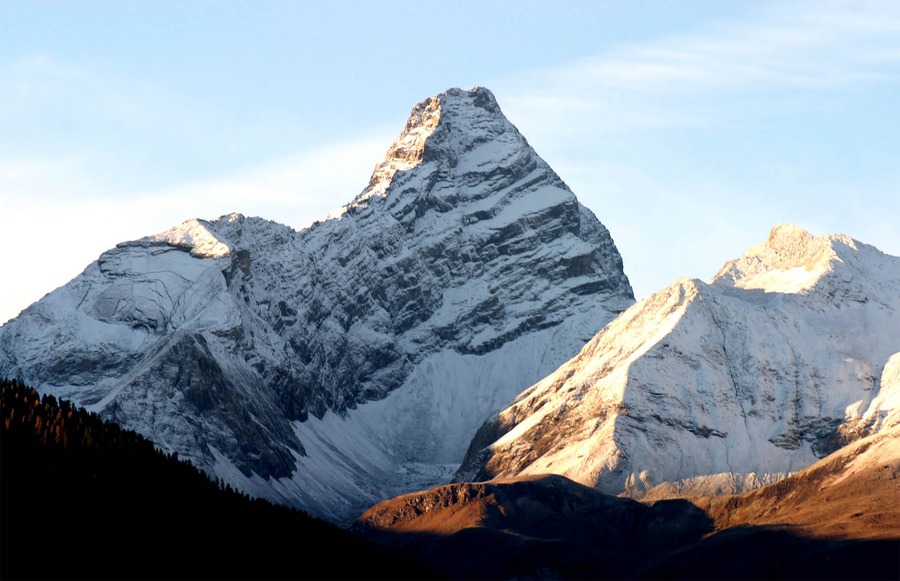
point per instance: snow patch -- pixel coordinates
(197, 236)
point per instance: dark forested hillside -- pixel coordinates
(82, 498)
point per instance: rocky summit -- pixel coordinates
(334, 366)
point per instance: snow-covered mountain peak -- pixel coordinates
(198, 236)
(791, 261)
(439, 131)
(790, 353)
(406, 151)
(465, 121)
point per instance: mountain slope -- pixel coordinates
(851, 493)
(353, 360)
(838, 519)
(787, 354)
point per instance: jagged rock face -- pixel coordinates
(786, 355)
(307, 366)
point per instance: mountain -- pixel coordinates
(786, 355)
(837, 519)
(330, 367)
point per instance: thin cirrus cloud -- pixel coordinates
(294, 189)
(41, 92)
(835, 45)
(91, 156)
(127, 131)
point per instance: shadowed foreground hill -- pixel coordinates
(84, 499)
(838, 519)
(544, 527)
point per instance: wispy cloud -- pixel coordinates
(91, 156)
(40, 89)
(787, 46)
(296, 189)
(721, 133)
(131, 128)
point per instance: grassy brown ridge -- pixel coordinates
(839, 519)
(832, 498)
(85, 499)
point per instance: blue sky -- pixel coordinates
(690, 128)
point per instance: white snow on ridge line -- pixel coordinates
(793, 280)
(793, 261)
(198, 236)
(883, 412)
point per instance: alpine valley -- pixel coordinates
(457, 356)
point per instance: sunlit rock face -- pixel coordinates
(335, 366)
(787, 354)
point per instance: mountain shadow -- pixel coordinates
(764, 552)
(85, 499)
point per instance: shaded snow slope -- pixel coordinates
(784, 356)
(334, 366)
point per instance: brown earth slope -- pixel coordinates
(853, 493)
(838, 519)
